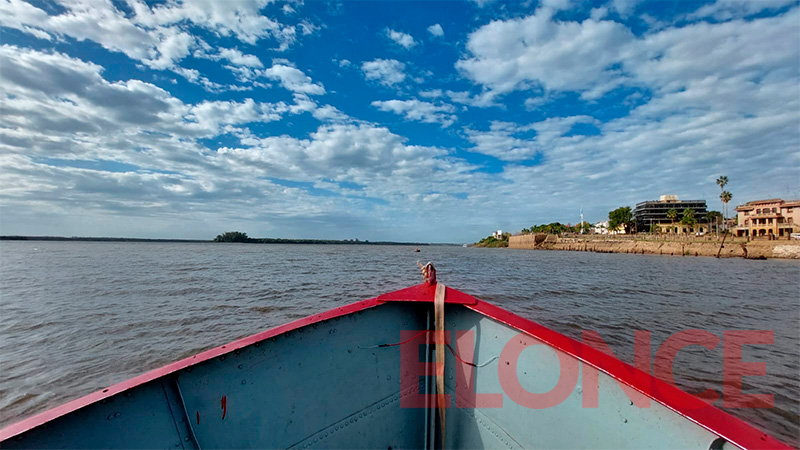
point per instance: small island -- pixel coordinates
(243, 238)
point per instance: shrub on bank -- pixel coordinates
(491, 241)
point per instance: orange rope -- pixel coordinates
(438, 309)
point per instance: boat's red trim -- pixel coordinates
(425, 293)
(715, 420)
(709, 417)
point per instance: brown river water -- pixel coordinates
(76, 317)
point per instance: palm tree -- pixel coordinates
(688, 217)
(722, 181)
(672, 214)
(725, 196)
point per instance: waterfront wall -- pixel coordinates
(732, 249)
(528, 241)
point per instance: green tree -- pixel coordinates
(556, 228)
(621, 216)
(725, 196)
(672, 214)
(722, 181)
(550, 228)
(491, 241)
(232, 236)
(688, 218)
(713, 217)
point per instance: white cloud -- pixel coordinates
(532, 103)
(558, 5)
(328, 113)
(594, 57)
(293, 79)
(213, 115)
(59, 107)
(308, 28)
(387, 72)
(730, 9)
(238, 58)
(625, 7)
(707, 99)
(534, 50)
(342, 152)
(482, 3)
(242, 73)
(674, 58)
(101, 22)
(402, 39)
(436, 30)
(155, 36)
(598, 14)
(483, 100)
(325, 113)
(683, 138)
(433, 93)
(23, 16)
(419, 111)
(501, 142)
(53, 95)
(239, 18)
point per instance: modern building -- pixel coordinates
(774, 218)
(654, 212)
(497, 234)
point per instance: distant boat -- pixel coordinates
(464, 245)
(416, 250)
(339, 379)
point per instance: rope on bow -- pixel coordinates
(428, 273)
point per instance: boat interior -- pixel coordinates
(346, 382)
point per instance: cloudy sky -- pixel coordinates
(434, 121)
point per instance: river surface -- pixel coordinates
(76, 317)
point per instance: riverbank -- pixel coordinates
(734, 248)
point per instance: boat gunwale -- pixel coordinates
(711, 418)
(708, 416)
(36, 420)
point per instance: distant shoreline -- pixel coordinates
(209, 241)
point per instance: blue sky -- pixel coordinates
(419, 121)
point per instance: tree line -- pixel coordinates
(622, 217)
(491, 241)
(240, 237)
(558, 228)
